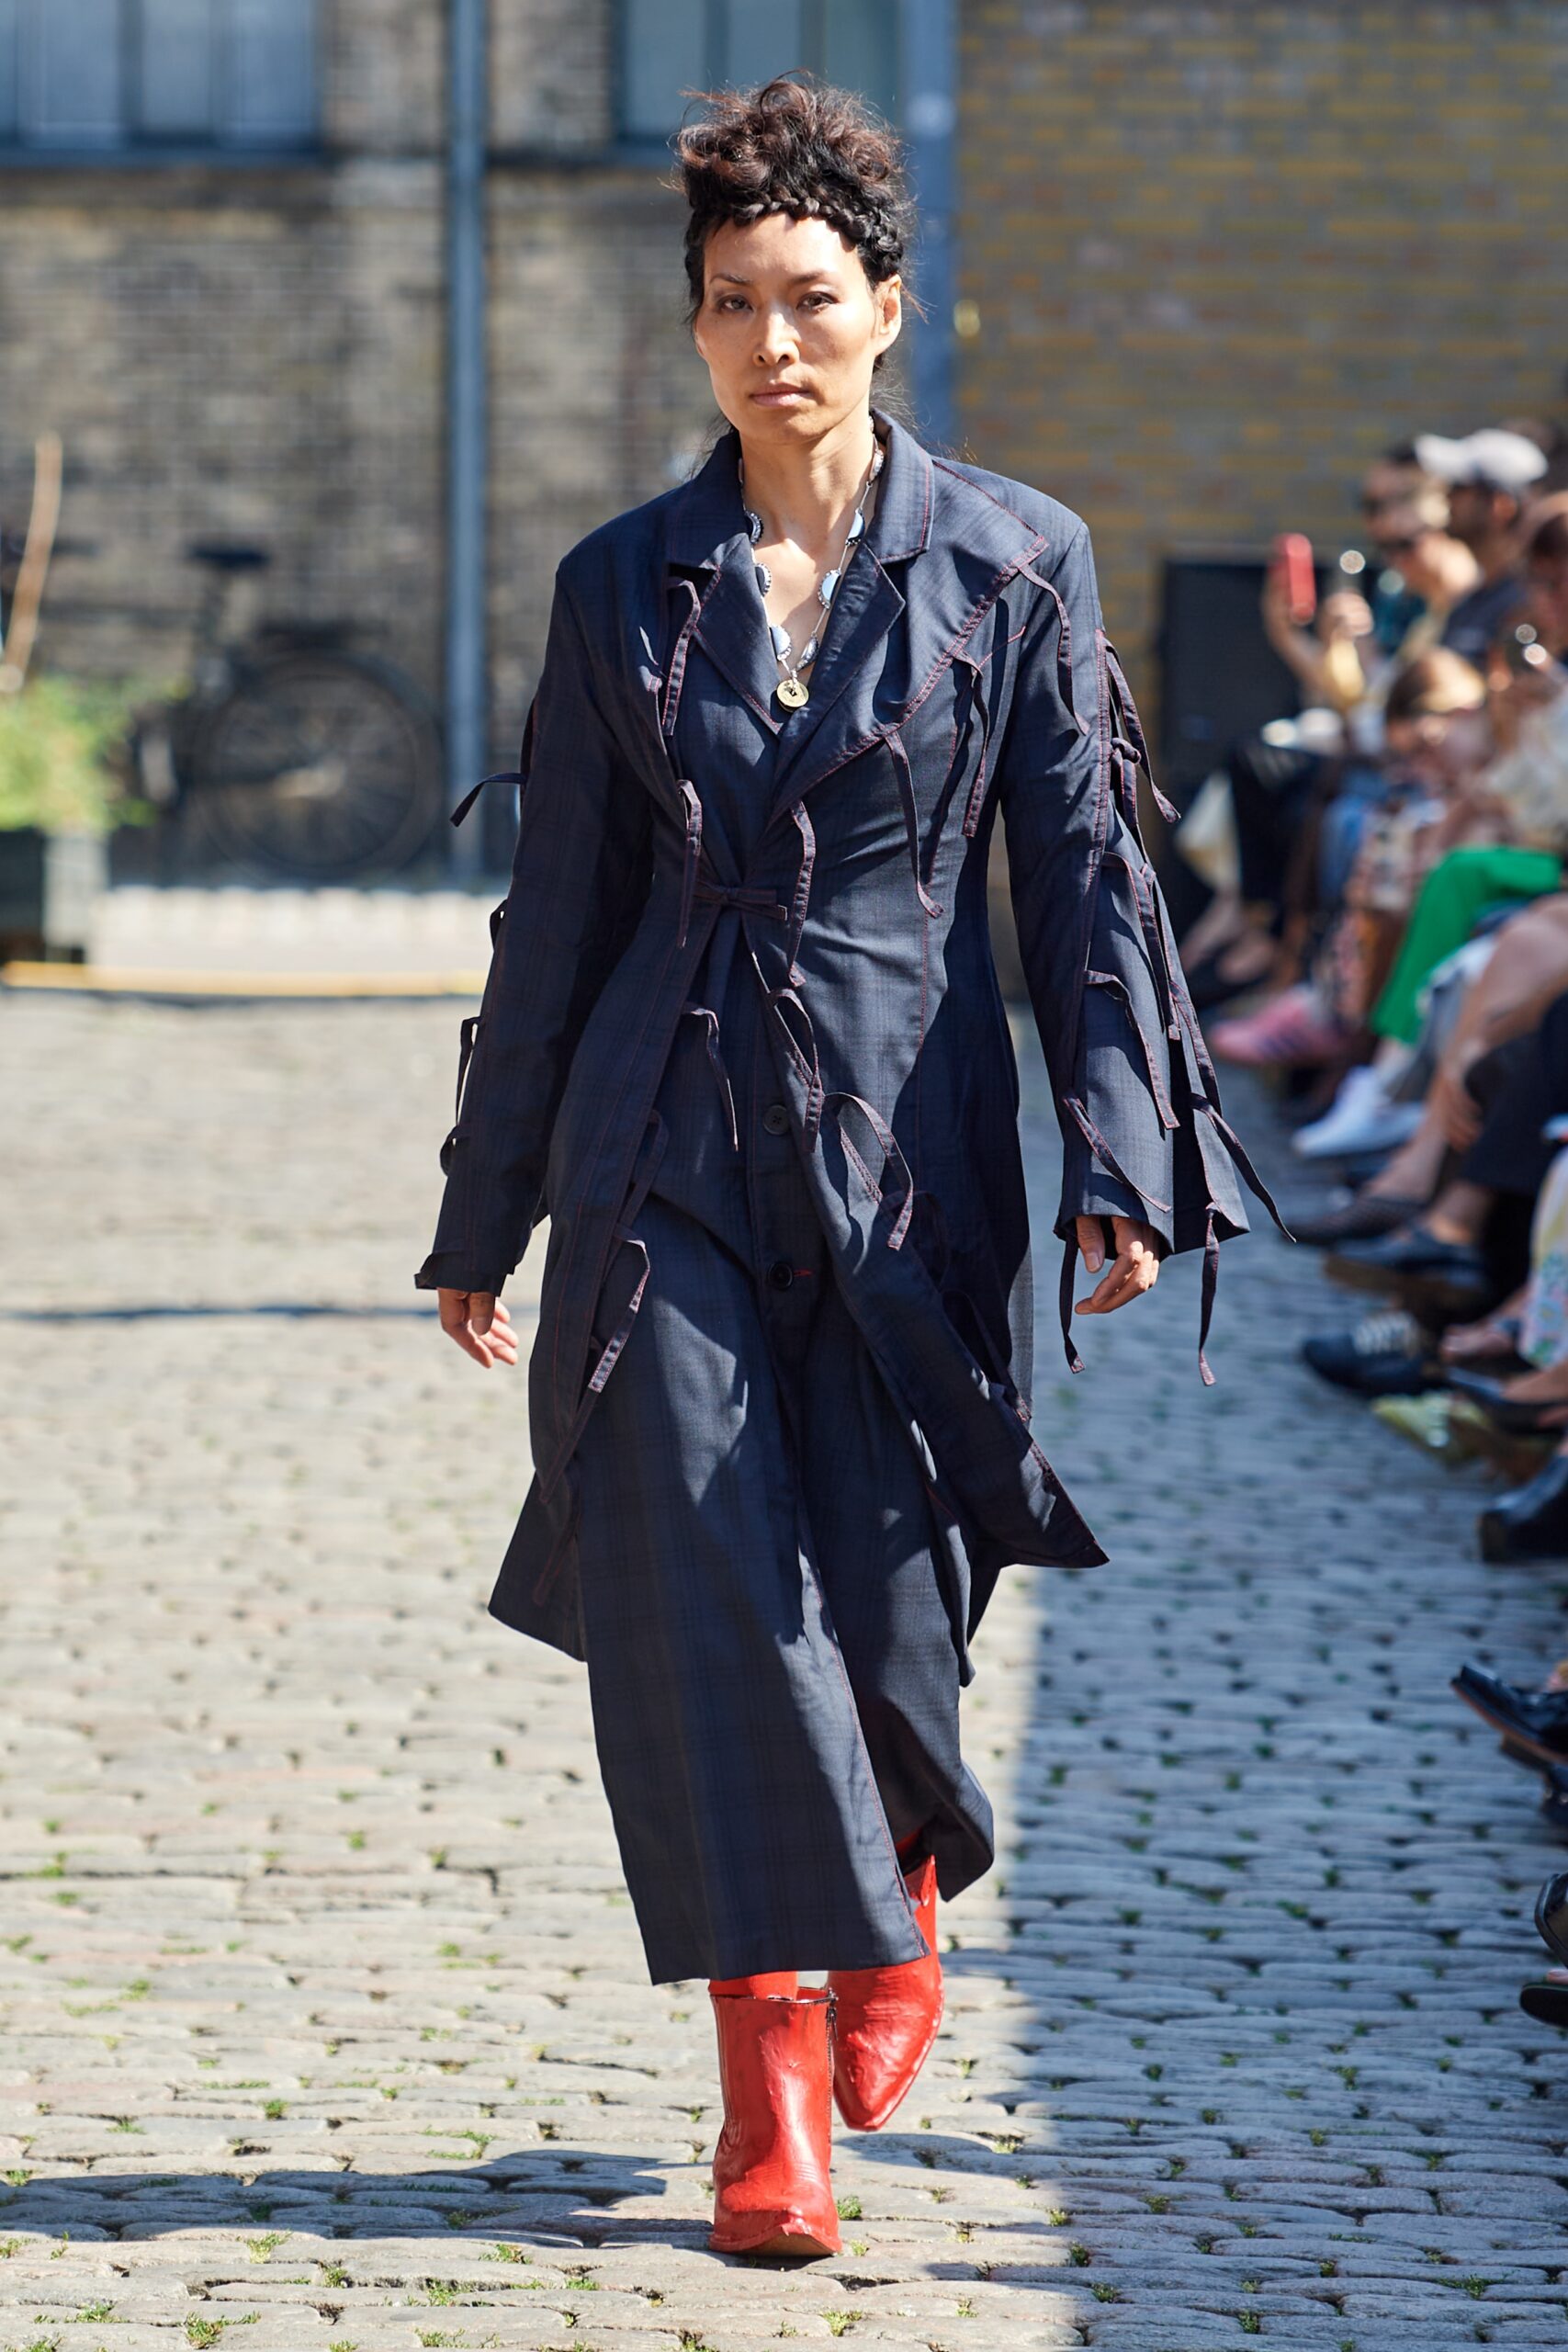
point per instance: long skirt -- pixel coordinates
(770, 1659)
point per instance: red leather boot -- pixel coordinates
(772, 2191)
(886, 2019)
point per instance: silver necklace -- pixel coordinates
(792, 689)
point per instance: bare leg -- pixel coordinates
(1458, 1213)
(1412, 1173)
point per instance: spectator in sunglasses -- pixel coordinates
(1489, 476)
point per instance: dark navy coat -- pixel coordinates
(964, 671)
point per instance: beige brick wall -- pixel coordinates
(1221, 253)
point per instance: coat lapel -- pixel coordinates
(732, 629)
(708, 538)
(840, 713)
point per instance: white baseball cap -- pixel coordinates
(1494, 458)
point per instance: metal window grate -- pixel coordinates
(109, 75)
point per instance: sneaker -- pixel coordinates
(1289, 1032)
(1385, 1356)
(1361, 1118)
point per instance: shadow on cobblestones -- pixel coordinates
(163, 1312)
(567, 2192)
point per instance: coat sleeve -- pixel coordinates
(1142, 1129)
(579, 878)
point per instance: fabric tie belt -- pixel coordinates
(742, 898)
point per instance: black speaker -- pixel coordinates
(1220, 677)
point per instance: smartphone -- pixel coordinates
(1293, 565)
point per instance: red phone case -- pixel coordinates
(1293, 556)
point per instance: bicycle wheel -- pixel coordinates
(319, 766)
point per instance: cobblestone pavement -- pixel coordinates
(328, 2025)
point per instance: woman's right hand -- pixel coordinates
(480, 1324)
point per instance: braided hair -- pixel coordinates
(799, 147)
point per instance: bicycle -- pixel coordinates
(298, 755)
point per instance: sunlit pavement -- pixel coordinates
(328, 2025)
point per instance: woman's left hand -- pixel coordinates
(1136, 1267)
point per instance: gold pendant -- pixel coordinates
(793, 693)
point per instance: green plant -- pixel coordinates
(57, 741)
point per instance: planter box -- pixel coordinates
(49, 884)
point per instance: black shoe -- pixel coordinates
(1532, 1522)
(1366, 1218)
(1521, 1417)
(1385, 1356)
(1548, 2004)
(1552, 1916)
(1208, 986)
(1447, 1277)
(1535, 1721)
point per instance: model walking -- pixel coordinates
(742, 1037)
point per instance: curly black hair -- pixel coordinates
(800, 147)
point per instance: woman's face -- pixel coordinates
(791, 328)
(1440, 747)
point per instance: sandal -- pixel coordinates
(1519, 1416)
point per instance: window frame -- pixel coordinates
(653, 147)
(134, 147)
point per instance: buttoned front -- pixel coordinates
(744, 973)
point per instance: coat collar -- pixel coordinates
(706, 516)
(706, 533)
(706, 536)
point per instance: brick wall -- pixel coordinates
(257, 351)
(1220, 254)
(245, 351)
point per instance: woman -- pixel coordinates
(742, 1034)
